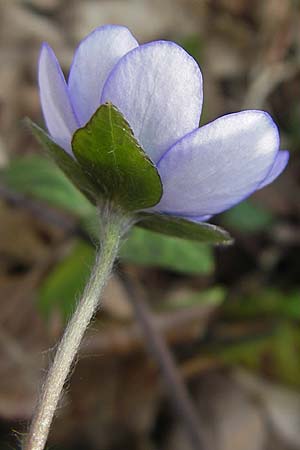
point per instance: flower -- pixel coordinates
(158, 88)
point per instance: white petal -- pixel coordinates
(278, 167)
(158, 88)
(218, 165)
(58, 113)
(93, 61)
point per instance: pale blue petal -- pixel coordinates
(58, 113)
(278, 167)
(93, 61)
(218, 165)
(198, 219)
(158, 88)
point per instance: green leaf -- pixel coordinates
(64, 161)
(267, 303)
(38, 177)
(109, 153)
(280, 349)
(185, 229)
(213, 296)
(66, 281)
(152, 249)
(247, 217)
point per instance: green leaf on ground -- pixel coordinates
(41, 178)
(247, 217)
(213, 296)
(280, 351)
(267, 303)
(65, 283)
(152, 249)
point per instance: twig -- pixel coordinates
(174, 383)
(175, 326)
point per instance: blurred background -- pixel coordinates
(230, 315)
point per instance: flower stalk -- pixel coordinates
(113, 225)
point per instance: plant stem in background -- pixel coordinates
(113, 225)
(178, 392)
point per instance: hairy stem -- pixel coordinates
(113, 226)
